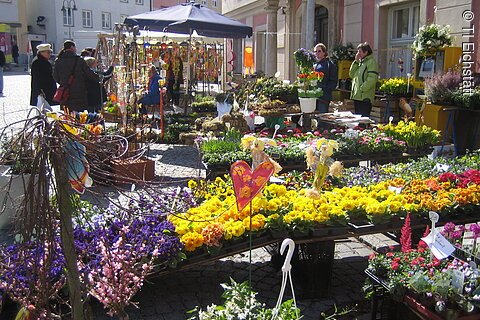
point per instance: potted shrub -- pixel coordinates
(439, 90)
(430, 38)
(343, 56)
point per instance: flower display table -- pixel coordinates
(407, 307)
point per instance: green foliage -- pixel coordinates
(241, 303)
(204, 104)
(343, 52)
(467, 100)
(267, 88)
(172, 132)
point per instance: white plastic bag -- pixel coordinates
(43, 104)
(223, 108)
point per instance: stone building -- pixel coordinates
(282, 26)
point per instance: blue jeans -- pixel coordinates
(1, 79)
(322, 106)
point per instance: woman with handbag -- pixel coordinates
(72, 73)
(42, 76)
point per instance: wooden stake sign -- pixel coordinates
(248, 184)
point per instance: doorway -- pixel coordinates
(321, 25)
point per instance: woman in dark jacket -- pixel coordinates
(69, 61)
(97, 94)
(42, 76)
(330, 78)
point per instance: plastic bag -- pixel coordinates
(223, 108)
(43, 104)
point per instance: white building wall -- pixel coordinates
(57, 33)
(9, 11)
(450, 12)
(353, 21)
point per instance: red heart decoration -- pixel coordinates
(248, 184)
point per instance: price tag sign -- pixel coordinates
(433, 216)
(439, 246)
(441, 167)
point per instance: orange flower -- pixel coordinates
(113, 98)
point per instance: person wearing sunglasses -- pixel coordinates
(330, 78)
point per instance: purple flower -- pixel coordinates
(475, 228)
(449, 227)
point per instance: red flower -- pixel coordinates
(406, 235)
(447, 176)
(395, 265)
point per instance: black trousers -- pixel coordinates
(363, 107)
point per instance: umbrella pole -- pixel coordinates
(187, 100)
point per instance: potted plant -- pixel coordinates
(439, 91)
(430, 38)
(307, 80)
(343, 56)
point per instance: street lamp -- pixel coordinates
(68, 6)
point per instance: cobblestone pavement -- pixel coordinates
(169, 297)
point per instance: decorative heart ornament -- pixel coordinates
(248, 184)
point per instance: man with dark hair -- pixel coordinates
(364, 75)
(15, 52)
(69, 63)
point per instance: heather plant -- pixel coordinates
(440, 88)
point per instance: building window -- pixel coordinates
(140, 2)
(106, 20)
(124, 1)
(214, 3)
(87, 18)
(405, 22)
(123, 17)
(204, 2)
(68, 17)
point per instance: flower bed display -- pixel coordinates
(354, 145)
(279, 208)
(437, 289)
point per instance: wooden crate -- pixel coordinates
(379, 109)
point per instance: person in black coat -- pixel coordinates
(330, 77)
(42, 76)
(96, 92)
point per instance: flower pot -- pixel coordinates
(434, 116)
(308, 105)
(133, 170)
(466, 130)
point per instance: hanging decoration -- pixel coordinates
(247, 184)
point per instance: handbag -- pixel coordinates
(63, 91)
